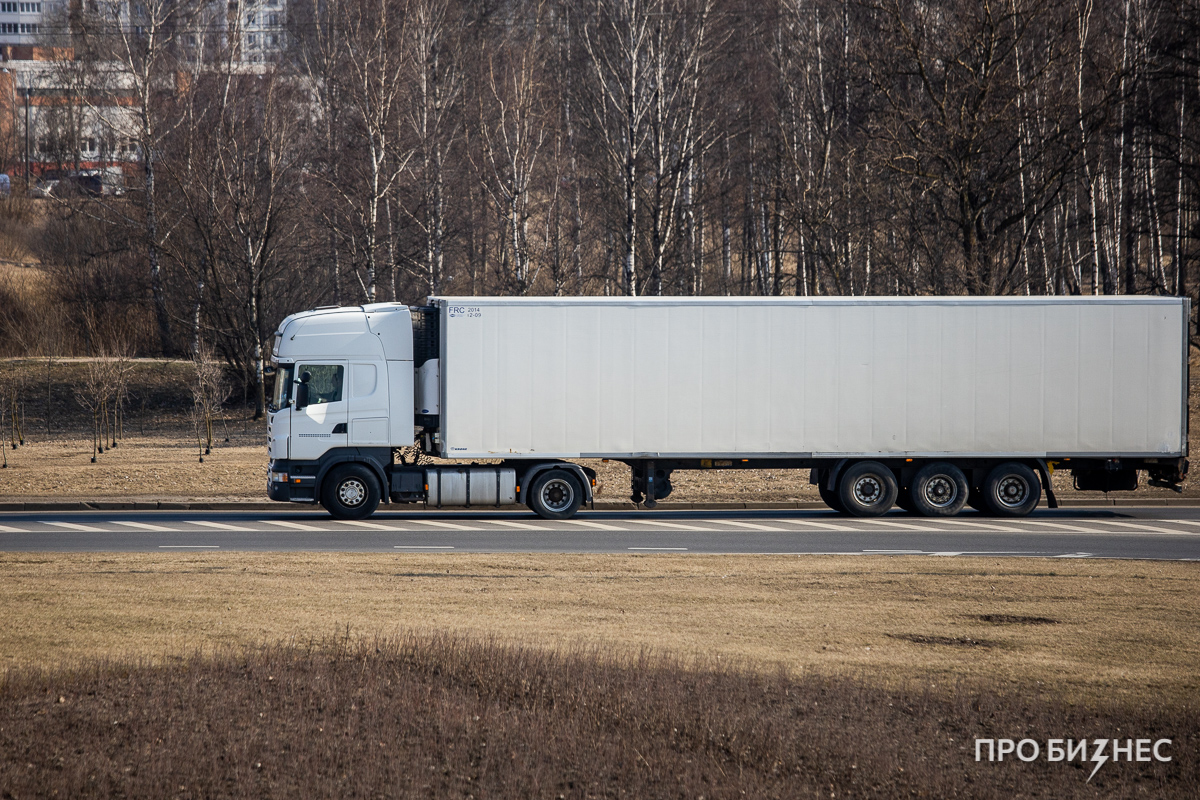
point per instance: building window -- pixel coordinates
(30, 8)
(29, 27)
(250, 19)
(8, 8)
(274, 38)
(273, 19)
(8, 27)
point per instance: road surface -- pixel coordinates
(1144, 533)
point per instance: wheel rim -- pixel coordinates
(352, 492)
(558, 494)
(941, 491)
(1012, 491)
(868, 490)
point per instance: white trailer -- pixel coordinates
(929, 403)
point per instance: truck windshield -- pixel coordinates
(281, 394)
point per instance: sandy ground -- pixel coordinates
(1084, 629)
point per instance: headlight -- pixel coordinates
(279, 477)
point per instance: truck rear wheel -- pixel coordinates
(867, 489)
(350, 492)
(1012, 490)
(939, 490)
(555, 494)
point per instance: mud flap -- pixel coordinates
(1044, 471)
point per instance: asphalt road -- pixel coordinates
(1146, 533)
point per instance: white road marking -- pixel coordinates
(985, 526)
(1059, 525)
(1074, 555)
(905, 525)
(422, 547)
(73, 526)
(523, 525)
(219, 525)
(896, 552)
(596, 525)
(822, 525)
(946, 554)
(752, 525)
(189, 547)
(293, 525)
(656, 548)
(450, 525)
(7, 529)
(372, 525)
(675, 525)
(1146, 528)
(146, 527)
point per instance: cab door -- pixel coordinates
(321, 424)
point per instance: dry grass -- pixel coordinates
(417, 716)
(1124, 631)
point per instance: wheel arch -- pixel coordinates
(527, 473)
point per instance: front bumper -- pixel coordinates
(284, 487)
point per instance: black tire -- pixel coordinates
(830, 497)
(867, 489)
(939, 490)
(1012, 490)
(351, 492)
(555, 494)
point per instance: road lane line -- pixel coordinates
(296, 526)
(597, 525)
(222, 526)
(752, 525)
(189, 547)
(952, 553)
(896, 552)
(73, 526)
(523, 525)
(146, 527)
(674, 525)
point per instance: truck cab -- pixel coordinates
(353, 386)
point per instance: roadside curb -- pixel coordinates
(206, 505)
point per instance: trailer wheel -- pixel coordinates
(555, 494)
(830, 497)
(867, 489)
(351, 492)
(939, 490)
(1012, 490)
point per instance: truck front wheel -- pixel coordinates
(350, 492)
(555, 494)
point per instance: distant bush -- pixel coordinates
(449, 717)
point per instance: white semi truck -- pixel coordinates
(926, 403)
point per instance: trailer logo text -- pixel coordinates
(1101, 751)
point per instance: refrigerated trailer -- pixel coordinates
(929, 403)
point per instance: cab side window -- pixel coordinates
(324, 383)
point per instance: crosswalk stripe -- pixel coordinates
(449, 525)
(294, 525)
(7, 529)
(75, 527)
(371, 525)
(751, 525)
(905, 526)
(1132, 526)
(1058, 525)
(822, 525)
(523, 525)
(218, 525)
(597, 525)
(674, 525)
(987, 526)
(144, 526)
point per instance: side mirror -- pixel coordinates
(301, 395)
